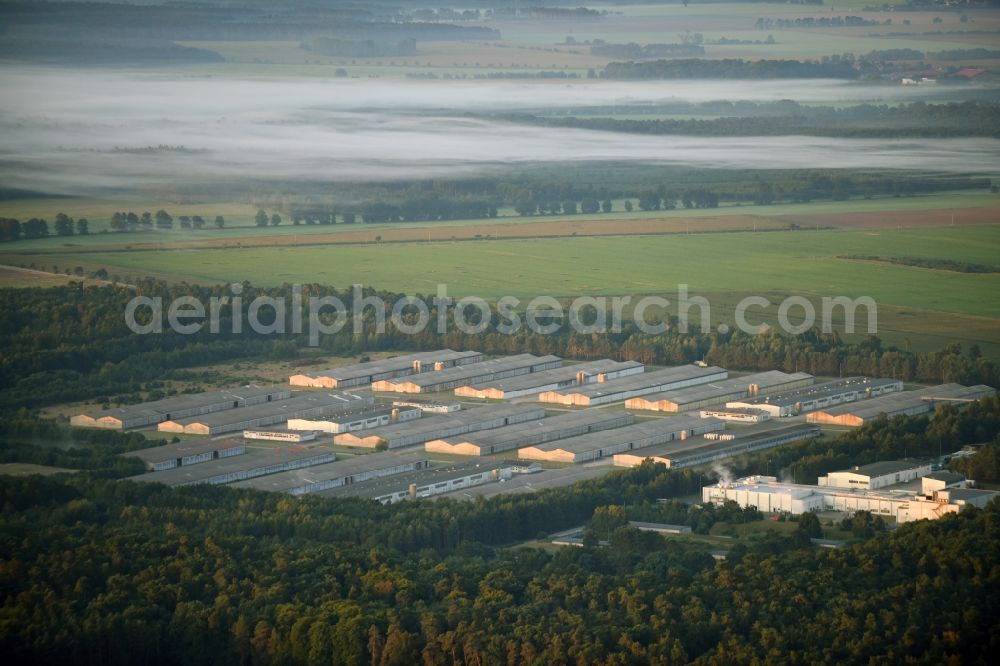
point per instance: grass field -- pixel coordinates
(239, 218)
(919, 307)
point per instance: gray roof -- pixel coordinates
(824, 390)
(545, 377)
(470, 372)
(299, 401)
(185, 401)
(884, 467)
(400, 482)
(341, 468)
(617, 436)
(695, 445)
(248, 461)
(644, 380)
(394, 364)
(165, 452)
(519, 432)
(434, 423)
(724, 387)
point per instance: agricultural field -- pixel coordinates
(919, 307)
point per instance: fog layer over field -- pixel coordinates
(85, 131)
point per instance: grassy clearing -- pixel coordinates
(26, 469)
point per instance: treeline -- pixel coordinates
(936, 264)
(12, 229)
(970, 118)
(729, 68)
(367, 48)
(633, 51)
(171, 22)
(983, 465)
(71, 343)
(106, 572)
(24, 438)
(95, 52)
(764, 23)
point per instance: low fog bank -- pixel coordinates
(89, 131)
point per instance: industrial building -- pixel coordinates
(439, 427)
(907, 403)
(571, 424)
(427, 483)
(280, 436)
(734, 414)
(238, 468)
(616, 390)
(190, 452)
(362, 374)
(770, 496)
(346, 472)
(594, 446)
(176, 407)
(353, 421)
(303, 405)
(429, 407)
(875, 475)
(820, 396)
(715, 446)
(451, 378)
(550, 380)
(717, 393)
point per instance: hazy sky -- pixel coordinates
(58, 130)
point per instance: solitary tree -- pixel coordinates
(82, 226)
(163, 220)
(220, 221)
(628, 206)
(261, 219)
(197, 222)
(606, 205)
(275, 220)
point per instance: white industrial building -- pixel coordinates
(768, 495)
(550, 380)
(438, 427)
(190, 452)
(716, 446)
(178, 406)
(302, 405)
(616, 390)
(719, 392)
(452, 378)
(820, 396)
(280, 436)
(238, 468)
(362, 374)
(549, 429)
(356, 469)
(734, 414)
(354, 421)
(876, 475)
(594, 446)
(429, 407)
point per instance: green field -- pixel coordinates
(921, 307)
(239, 217)
(803, 261)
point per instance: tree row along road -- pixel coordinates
(555, 228)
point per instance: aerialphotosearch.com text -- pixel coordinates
(508, 315)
